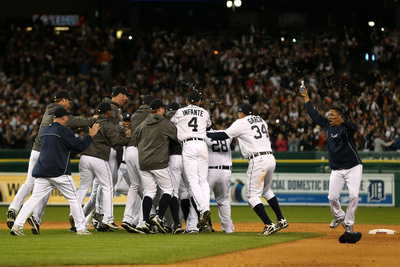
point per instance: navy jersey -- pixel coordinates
(57, 141)
(340, 139)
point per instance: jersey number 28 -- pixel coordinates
(219, 145)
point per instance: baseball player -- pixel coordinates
(61, 99)
(219, 178)
(192, 122)
(152, 137)
(176, 171)
(134, 172)
(52, 169)
(94, 163)
(344, 161)
(254, 142)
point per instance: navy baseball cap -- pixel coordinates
(173, 106)
(60, 111)
(62, 94)
(126, 117)
(103, 107)
(246, 109)
(156, 104)
(193, 97)
(120, 90)
(147, 99)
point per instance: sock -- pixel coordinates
(195, 207)
(163, 205)
(146, 206)
(260, 210)
(174, 207)
(185, 206)
(273, 203)
(209, 221)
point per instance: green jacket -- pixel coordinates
(137, 118)
(153, 136)
(74, 122)
(107, 137)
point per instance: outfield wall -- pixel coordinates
(301, 178)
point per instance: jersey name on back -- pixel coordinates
(191, 111)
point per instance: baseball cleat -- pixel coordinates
(160, 223)
(269, 229)
(207, 229)
(177, 229)
(35, 226)
(203, 219)
(335, 223)
(282, 224)
(98, 216)
(191, 232)
(145, 229)
(11, 214)
(15, 230)
(131, 228)
(72, 229)
(83, 232)
(102, 228)
(111, 226)
(348, 228)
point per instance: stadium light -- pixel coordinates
(229, 4)
(233, 4)
(371, 23)
(237, 3)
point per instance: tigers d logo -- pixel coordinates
(376, 190)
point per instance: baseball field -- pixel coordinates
(307, 242)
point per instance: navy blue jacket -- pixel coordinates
(57, 142)
(340, 139)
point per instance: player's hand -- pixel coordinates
(304, 93)
(94, 129)
(95, 116)
(128, 134)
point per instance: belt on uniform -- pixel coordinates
(260, 154)
(221, 167)
(193, 139)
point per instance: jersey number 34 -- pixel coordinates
(259, 131)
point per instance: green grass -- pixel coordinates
(59, 247)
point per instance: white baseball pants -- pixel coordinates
(339, 178)
(43, 186)
(195, 163)
(27, 187)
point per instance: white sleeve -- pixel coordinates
(235, 129)
(175, 118)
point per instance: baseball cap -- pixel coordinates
(193, 97)
(62, 94)
(173, 106)
(147, 99)
(126, 117)
(120, 90)
(59, 112)
(156, 104)
(246, 109)
(103, 107)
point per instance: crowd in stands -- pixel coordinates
(226, 68)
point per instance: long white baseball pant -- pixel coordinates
(259, 178)
(195, 163)
(352, 178)
(27, 187)
(90, 167)
(219, 181)
(43, 186)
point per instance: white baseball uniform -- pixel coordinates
(254, 143)
(192, 122)
(219, 178)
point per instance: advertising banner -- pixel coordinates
(313, 188)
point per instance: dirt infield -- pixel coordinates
(371, 250)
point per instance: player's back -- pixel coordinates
(191, 122)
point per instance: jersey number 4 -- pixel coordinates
(193, 124)
(259, 131)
